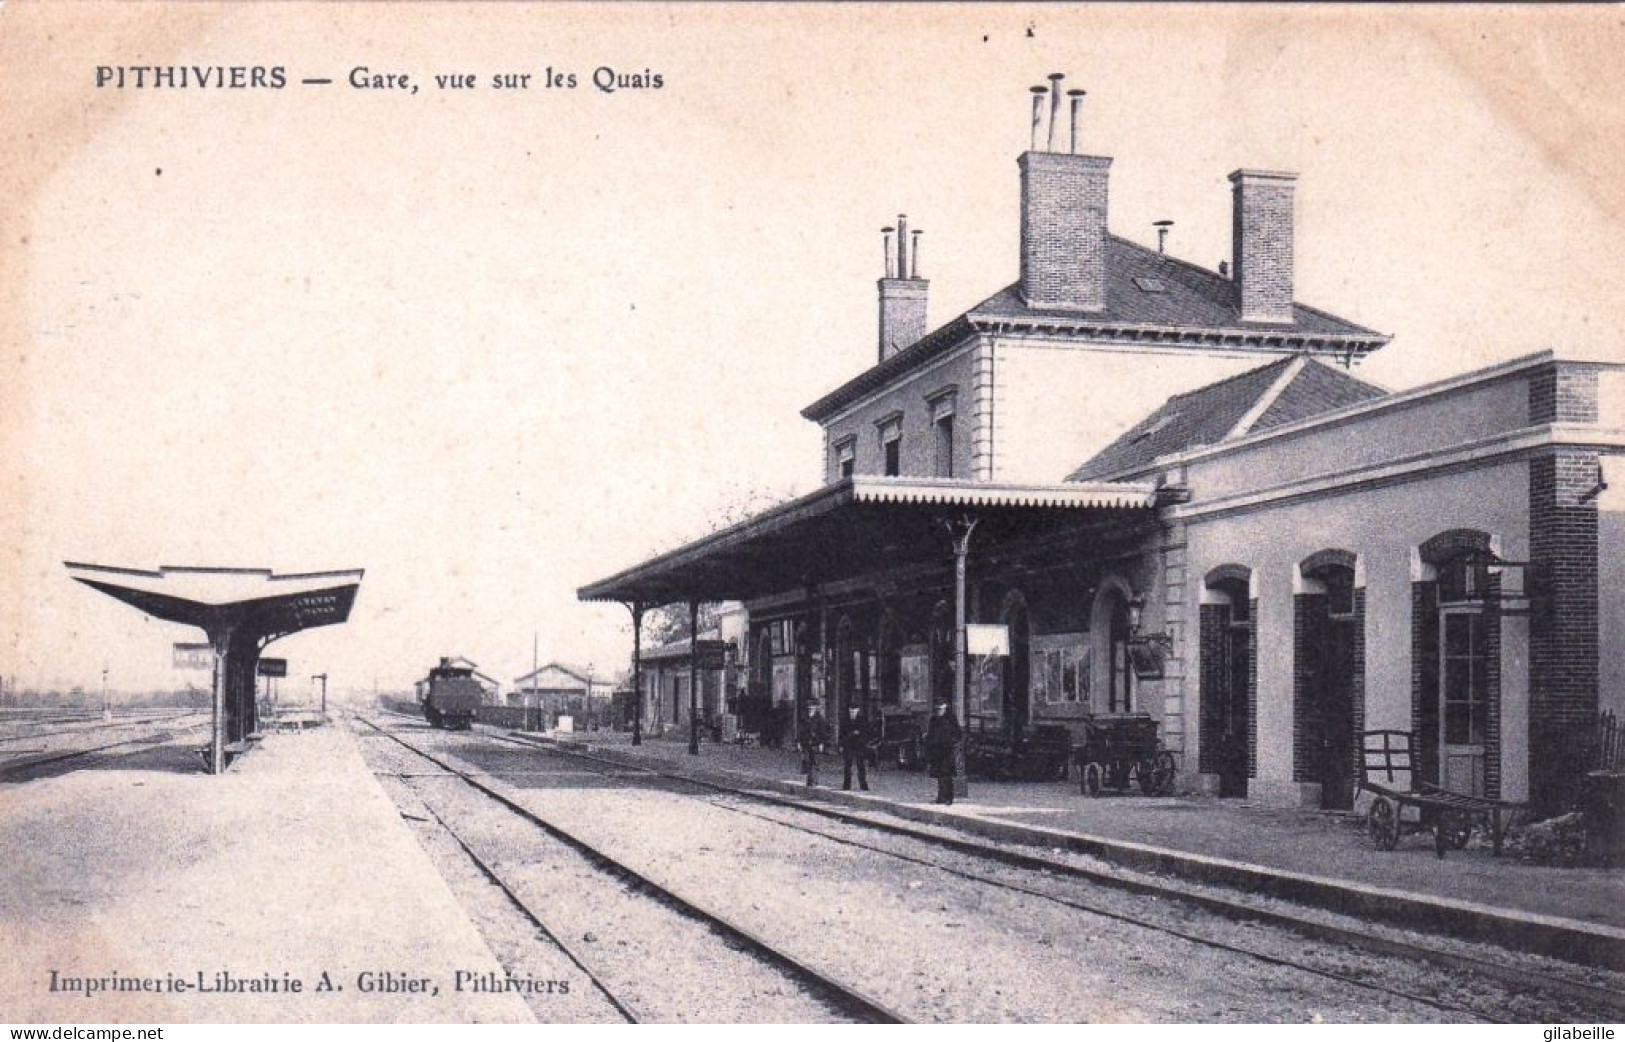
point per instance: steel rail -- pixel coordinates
(1520, 978)
(843, 997)
(11, 771)
(489, 871)
(98, 725)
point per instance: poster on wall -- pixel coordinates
(1059, 674)
(784, 683)
(914, 676)
(987, 683)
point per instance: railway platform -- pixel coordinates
(1308, 856)
(291, 865)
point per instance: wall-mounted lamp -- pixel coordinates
(1136, 617)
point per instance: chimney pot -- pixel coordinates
(1038, 113)
(1077, 108)
(1055, 79)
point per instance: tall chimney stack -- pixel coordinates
(1063, 217)
(902, 291)
(1261, 244)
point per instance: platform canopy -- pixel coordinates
(863, 525)
(215, 597)
(241, 610)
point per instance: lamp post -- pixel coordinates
(323, 678)
(107, 710)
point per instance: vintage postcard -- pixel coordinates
(821, 513)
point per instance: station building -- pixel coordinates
(557, 689)
(1169, 488)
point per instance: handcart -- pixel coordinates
(1387, 771)
(1121, 750)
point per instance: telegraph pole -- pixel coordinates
(323, 678)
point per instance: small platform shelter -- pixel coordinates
(241, 610)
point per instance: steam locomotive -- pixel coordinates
(450, 696)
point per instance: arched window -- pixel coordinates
(1456, 638)
(1112, 688)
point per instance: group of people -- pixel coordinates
(854, 742)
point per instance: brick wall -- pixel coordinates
(1210, 628)
(1309, 614)
(1261, 244)
(1357, 695)
(1425, 678)
(902, 314)
(1563, 393)
(1063, 230)
(1312, 615)
(1252, 692)
(1563, 628)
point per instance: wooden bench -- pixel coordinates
(1387, 771)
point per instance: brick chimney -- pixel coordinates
(1063, 214)
(1261, 244)
(902, 291)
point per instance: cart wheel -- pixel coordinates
(1382, 824)
(1458, 832)
(1091, 779)
(1157, 775)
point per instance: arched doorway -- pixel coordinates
(1112, 683)
(1456, 641)
(852, 678)
(1228, 667)
(1017, 665)
(1328, 699)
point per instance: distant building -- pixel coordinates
(556, 690)
(666, 677)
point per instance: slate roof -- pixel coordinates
(1189, 296)
(1151, 297)
(1281, 392)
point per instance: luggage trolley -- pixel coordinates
(1121, 750)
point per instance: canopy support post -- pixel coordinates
(221, 639)
(693, 678)
(961, 530)
(636, 608)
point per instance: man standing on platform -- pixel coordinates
(814, 736)
(941, 738)
(855, 747)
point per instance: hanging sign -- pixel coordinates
(987, 640)
(273, 667)
(194, 656)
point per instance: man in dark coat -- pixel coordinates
(941, 738)
(855, 746)
(814, 736)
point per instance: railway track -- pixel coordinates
(843, 1000)
(1514, 976)
(20, 770)
(96, 724)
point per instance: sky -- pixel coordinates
(491, 345)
